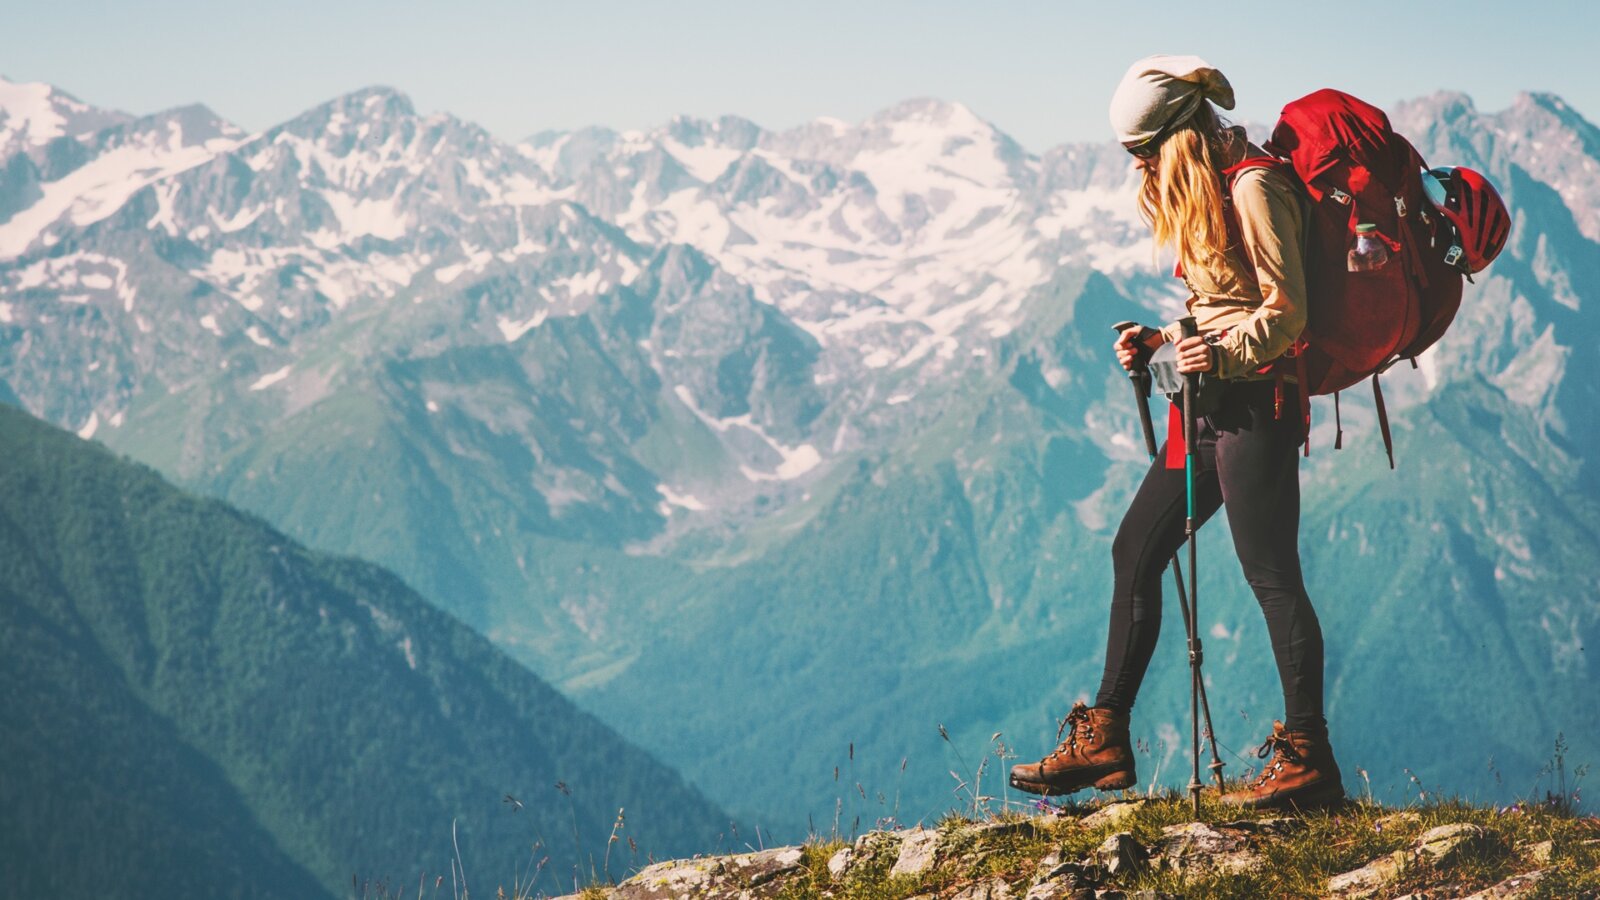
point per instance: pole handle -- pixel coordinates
(1139, 375)
(1191, 386)
(1142, 350)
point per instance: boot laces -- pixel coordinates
(1075, 725)
(1282, 750)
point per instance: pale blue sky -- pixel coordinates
(1041, 71)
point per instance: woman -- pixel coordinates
(1245, 274)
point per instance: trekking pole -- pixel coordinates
(1139, 376)
(1191, 388)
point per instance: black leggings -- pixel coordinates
(1247, 460)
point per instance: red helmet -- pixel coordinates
(1475, 208)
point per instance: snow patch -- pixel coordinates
(28, 114)
(271, 379)
(687, 501)
(796, 462)
(706, 162)
(513, 330)
(360, 216)
(100, 187)
(792, 461)
(240, 220)
(90, 427)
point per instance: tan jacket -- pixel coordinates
(1257, 292)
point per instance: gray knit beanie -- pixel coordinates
(1161, 91)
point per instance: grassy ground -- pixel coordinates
(1297, 864)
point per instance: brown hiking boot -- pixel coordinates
(1300, 774)
(1095, 752)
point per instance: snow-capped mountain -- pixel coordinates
(677, 414)
(885, 241)
(33, 115)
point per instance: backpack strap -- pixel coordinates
(1305, 395)
(1338, 424)
(1232, 173)
(1383, 418)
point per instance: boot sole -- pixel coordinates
(1320, 796)
(1114, 780)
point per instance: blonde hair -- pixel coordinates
(1182, 198)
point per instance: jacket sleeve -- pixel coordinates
(1270, 225)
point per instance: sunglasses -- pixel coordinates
(1150, 146)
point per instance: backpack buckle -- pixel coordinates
(1339, 197)
(1400, 206)
(1453, 255)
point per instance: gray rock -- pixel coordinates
(1370, 878)
(1059, 889)
(839, 863)
(1438, 846)
(917, 851)
(874, 846)
(756, 869)
(1121, 853)
(1047, 866)
(1541, 852)
(672, 879)
(1113, 814)
(1446, 843)
(992, 889)
(1002, 828)
(1061, 878)
(731, 875)
(1199, 846)
(1517, 886)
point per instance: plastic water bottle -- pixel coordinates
(1368, 252)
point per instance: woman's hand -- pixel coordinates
(1127, 345)
(1195, 355)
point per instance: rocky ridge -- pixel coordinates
(1145, 848)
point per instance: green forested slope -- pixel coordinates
(190, 693)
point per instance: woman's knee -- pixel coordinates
(1137, 576)
(1131, 551)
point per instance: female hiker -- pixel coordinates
(1244, 270)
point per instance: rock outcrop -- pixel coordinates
(1146, 849)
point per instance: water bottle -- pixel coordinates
(1368, 252)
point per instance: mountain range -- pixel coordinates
(779, 450)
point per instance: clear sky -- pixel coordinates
(1041, 71)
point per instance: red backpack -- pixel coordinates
(1356, 169)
